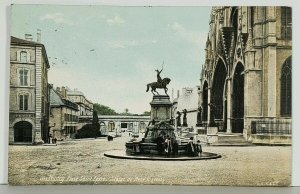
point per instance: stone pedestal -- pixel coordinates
(161, 108)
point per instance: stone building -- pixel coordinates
(247, 76)
(114, 124)
(63, 120)
(187, 100)
(85, 105)
(29, 91)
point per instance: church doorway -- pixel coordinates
(217, 107)
(238, 99)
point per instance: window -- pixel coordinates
(23, 76)
(23, 101)
(123, 125)
(43, 105)
(23, 57)
(286, 88)
(286, 23)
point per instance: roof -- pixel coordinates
(19, 41)
(75, 93)
(57, 101)
(23, 42)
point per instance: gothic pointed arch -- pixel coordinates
(238, 99)
(286, 88)
(217, 94)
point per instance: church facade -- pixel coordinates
(246, 81)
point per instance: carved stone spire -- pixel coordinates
(249, 44)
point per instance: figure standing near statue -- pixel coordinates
(178, 120)
(184, 124)
(152, 122)
(199, 117)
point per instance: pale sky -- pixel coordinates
(110, 52)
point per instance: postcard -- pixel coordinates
(150, 95)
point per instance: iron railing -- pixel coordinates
(277, 127)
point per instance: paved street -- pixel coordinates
(82, 162)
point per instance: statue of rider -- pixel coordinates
(159, 80)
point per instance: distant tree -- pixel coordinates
(126, 110)
(104, 110)
(90, 130)
(95, 117)
(146, 113)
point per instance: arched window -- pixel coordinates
(23, 57)
(286, 23)
(23, 101)
(111, 126)
(24, 76)
(286, 88)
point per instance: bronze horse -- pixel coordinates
(162, 85)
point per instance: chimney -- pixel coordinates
(28, 37)
(58, 90)
(38, 35)
(63, 92)
(183, 91)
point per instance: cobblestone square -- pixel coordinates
(83, 162)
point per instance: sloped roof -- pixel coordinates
(75, 93)
(22, 41)
(55, 99)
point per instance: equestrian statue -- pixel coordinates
(161, 83)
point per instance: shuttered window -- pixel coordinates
(286, 23)
(23, 102)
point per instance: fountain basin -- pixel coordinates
(121, 154)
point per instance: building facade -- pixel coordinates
(187, 100)
(29, 92)
(63, 116)
(85, 106)
(247, 76)
(114, 124)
